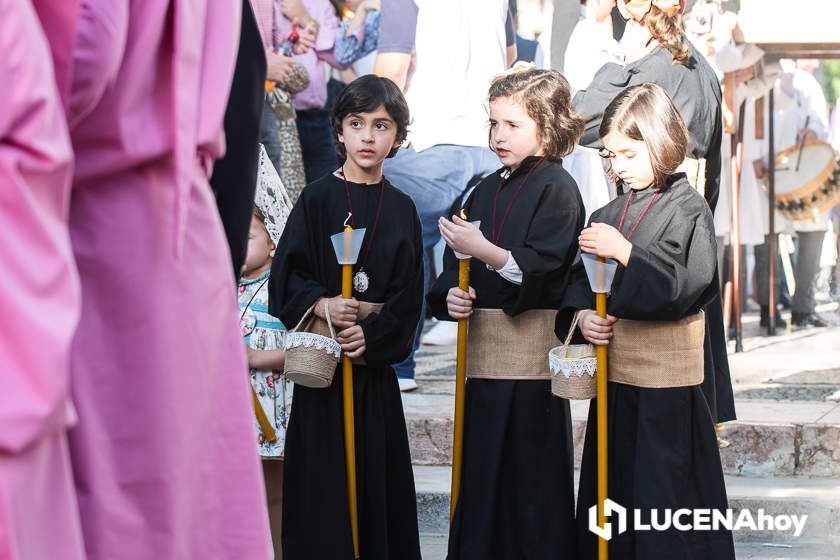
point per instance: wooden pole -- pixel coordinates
(601, 394)
(771, 219)
(349, 414)
(460, 388)
(735, 229)
(262, 419)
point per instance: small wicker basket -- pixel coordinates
(573, 368)
(311, 358)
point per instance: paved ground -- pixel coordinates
(434, 548)
(790, 381)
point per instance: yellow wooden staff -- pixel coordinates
(460, 386)
(262, 419)
(601, 394)
(349, 414)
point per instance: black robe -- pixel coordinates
(663, 451)
(316, 519)
(517, 491)
(234, 177)
(695, 91)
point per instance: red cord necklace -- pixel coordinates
(642, 215)
(496, 235)
(361, 280)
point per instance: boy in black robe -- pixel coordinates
(369, 120)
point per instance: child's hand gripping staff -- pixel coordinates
(346, 246)
(600, 244)
(466, 240)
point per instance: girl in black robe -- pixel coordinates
(516, 498)
(661, 54)
(316, 517)
(662, 449)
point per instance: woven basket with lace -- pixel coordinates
(311, 358)
(573, 368)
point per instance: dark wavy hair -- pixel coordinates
(547, 98)
(365, 95)
(645, 113)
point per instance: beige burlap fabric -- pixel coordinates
(504, 347)
(657, 354)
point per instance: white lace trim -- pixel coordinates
(569, 366)
(312, 340)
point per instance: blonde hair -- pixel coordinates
(547, 99)
(645, 113)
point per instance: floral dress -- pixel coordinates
(264, 332)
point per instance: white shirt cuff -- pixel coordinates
(511, 271)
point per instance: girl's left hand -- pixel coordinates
(605, 241)
(352, 341)
(462, 236)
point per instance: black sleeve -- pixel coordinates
(234, 177)
(608, 82)
(714, 166)
(447, 279)
(389, 334)
(550, 245)
(292, 284)
(665, 280)
(578, 296)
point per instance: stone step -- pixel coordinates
(770, 438)
(433, 547)
(818, 498)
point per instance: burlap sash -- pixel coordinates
(657, 354)
(504, 347)
(319, 326)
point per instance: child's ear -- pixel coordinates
(272, 251)
(341, 138)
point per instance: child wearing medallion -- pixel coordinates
(375, 328)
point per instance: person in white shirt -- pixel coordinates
(459, 47)
(799, 101)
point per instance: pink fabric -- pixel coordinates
(264, 11)
(315, 95)
(163, 451)
(39, 298)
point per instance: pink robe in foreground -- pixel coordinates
(39, 296)
(163, 450)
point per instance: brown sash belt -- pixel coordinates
(504, 347)
(319, 326)
(657, 354)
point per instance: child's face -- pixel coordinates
(514, 135)
(368, 137)
(630, 160)
(260, 247)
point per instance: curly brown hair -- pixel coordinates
(547, 98)
(668, 32)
